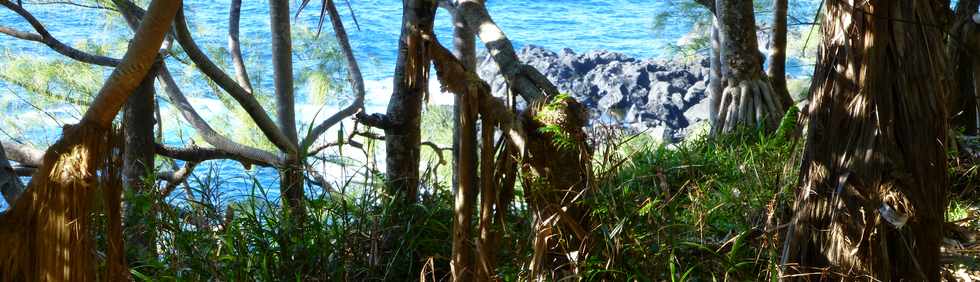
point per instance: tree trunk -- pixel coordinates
(961, 48)
(748, 99)
(874, 179)
(777, 59)
(464, 159)
(463, 266)
(291, 173)
(411, 80)
(138, 153)
(10, 185)
(714, 81)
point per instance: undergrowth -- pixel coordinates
(707, 209)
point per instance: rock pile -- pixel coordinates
(662, 97)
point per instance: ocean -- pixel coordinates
(625, 26)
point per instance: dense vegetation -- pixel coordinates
(870, 172)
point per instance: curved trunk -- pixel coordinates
(748, 99)
(873, 195)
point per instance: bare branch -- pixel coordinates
(377, 120)
(244, 98)
(24, 154)
(435, 147)
(201, 154)
(50, 41)
(234, 46)
(355, 78)
(175, 178)
(205, 130)
(519, 76)
(21, 34)
(10, 185)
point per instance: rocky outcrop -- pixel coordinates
(662, 96)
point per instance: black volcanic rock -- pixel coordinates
(658, 95)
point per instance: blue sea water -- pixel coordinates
(625, 26)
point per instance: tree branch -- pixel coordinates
(220, 142)
(175, 178)
(244, 98)
(525, 80)
(201, 154)
(234, 46)
(24, 154)
(140, 55)
(355, 78)
(10, 185)
(133, 13)
(49, 40)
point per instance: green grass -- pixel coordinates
(705, 209)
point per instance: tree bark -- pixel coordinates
(234, 45)
(282, 63)
(291, 173)
(10, 185)
(138, 153)
(777, 58)
(405, 106)
(464, 157)
(874, 179)
(748, 99)
(962, 47)
(714, 81)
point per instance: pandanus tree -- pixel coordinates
(872, 199)
(741, 93)
(545, 141)
(282, 133)
(46, 232)
(748, 99)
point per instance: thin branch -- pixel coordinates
(51, 42)
(68, 3)
(355, 78)
(175, 178)
(244, 98)
(435, 147)
(377, 120)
